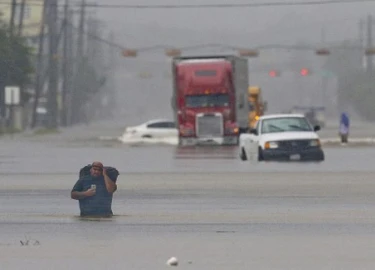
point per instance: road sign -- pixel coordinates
(12, 95)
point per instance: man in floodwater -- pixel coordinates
(94, 192)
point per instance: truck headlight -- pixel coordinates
(186, 131)
(271, 145)
(232, 130)
(315, 143)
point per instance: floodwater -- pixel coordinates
(201, 205)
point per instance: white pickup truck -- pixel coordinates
(282, 137)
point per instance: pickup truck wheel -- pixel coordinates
(260, 154)
(181, 142)
(243, 154)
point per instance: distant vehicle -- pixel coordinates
(315, 114)
(157, 128)
(257, 107)
(282, 137)
(209, 99)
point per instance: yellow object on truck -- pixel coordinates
(257, 107)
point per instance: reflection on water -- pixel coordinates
(21, 157)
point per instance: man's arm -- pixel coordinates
(78, 194)
(110, 185)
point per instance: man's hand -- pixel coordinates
(110, 185)
(80, 195)
(90, 192)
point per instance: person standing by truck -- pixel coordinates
(344, 128)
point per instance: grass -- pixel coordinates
(46, 131)
(6, 131)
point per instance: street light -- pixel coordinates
(248, 53)
(322, 51)
(129, 53)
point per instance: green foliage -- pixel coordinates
(46, 131)
(89, 82)
(9, 130)
(15, 57)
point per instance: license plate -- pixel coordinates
(295, 157)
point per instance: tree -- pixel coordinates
(89, 84)
(15, 58)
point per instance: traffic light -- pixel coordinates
(248, 53)
(172, 52)
(323, 51)
(273, 73)
(304, 72)
(129, 53)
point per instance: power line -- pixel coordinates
(243, 5)
(201, 6)
(208, 45)
(270, 46)
(95, 37)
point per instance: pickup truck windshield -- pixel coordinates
(216, 100)
(285, 124)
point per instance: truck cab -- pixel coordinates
(206, 106)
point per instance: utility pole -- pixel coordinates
(324, 77)
(360, 33)
(369, 63)
(95, 55)
(82, 19)
(21, 18)
(112, 53)
(65, 66)
(112, 67)
(8, 76)
(39, 65)
(52, 108)
(70, 69)
(77, 103)
(90, 61)
(89, 38)
(361, 43)
(12, 18)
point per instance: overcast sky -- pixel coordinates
(251, 25)
(241, 26)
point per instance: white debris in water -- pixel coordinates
(172, 261)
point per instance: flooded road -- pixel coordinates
(203, 206)
(38, 158)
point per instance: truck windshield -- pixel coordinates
(197, 101)
(285, 124)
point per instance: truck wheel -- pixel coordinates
(243, 156)
(260, 154)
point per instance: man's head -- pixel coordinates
(96, 169)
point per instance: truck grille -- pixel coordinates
(294, 144)
(209, 125)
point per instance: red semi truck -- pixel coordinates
(210, 99)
